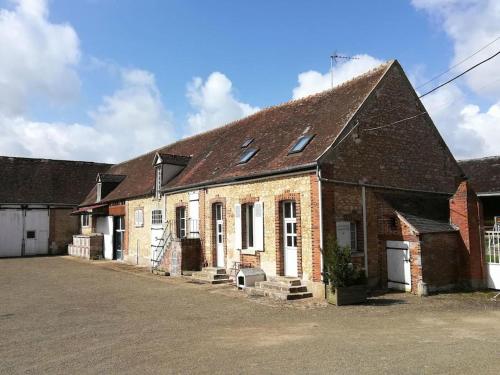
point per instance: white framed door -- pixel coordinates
(290, 238)
(11, 232)
(219, 235)
(398, 265)
(36, 232)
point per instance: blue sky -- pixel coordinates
(119, 71)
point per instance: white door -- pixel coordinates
(104, 225)
(11, 232)
(219, 235)
(398, 265)
(36, 232)
(493, 259)
(156, 234)
(290, 238)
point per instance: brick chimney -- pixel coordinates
(465, 214)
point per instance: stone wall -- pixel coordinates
(62, 228)
(138, 249)
(266, 192)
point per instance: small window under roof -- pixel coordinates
(247, 155)
(301, 143)
(247, 142)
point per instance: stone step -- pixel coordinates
(275, 294)
(282, 287)
(214, 270)
(293, 281)
(205, 275)
(210, 277)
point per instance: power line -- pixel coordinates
(458, 63)
(395, 122)
(459, 75)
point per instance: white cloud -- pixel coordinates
(312, 81)
(470, 24)
(39, 62)
(38, 57)
(215, 103)
(130, 122)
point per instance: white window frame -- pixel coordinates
(156, 217)
(181, 221)
(292, 220)
(249, 222)
(353, 237)
(139, 217)
(158, 181)
(85, 220)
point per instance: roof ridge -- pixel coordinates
(481, 158)
(55, 160)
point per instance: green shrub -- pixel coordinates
(338, 268)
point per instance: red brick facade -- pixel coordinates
(465, 214)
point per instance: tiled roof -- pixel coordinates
(427, 213)
(214, 155)
(26, 180)
(483, 173)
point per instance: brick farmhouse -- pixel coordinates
(362, 163)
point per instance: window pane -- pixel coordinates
(220, 238)
(289, 241)
(250, 225)
(288, 228)
(294, 241)
(294, 228)
(292, 204)
(288, 209)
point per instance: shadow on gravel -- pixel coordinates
(384, 302)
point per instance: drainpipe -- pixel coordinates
(318, 173)
(365, 234)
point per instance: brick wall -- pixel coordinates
(62, 228)
(465, 214)
(409, 155)
(266, 192)
(440, 260)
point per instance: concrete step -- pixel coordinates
(275, 294)
(214, 270)
(282, 287)
(205, 275)
(293, 281)
(211, 276)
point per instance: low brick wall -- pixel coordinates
(183, 255)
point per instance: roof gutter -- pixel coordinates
(259, 176)
(490, 194)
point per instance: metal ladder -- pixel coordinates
(160, 248)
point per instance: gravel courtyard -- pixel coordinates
(64, 316)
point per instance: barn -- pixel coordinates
(36, 199)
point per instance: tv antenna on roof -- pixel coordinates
(334, 58)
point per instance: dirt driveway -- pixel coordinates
(61, 316)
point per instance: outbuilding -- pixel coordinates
(36, 199)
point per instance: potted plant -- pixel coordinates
(346, 284)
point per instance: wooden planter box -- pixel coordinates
(349, 295)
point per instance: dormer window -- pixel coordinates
(99, 192)
(301, 144)
(158, 181)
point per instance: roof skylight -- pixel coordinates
(247, 142)
(301, 143)
(247, 155)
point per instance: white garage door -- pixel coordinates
(11, 232)
(36, 232)
(28, 226)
